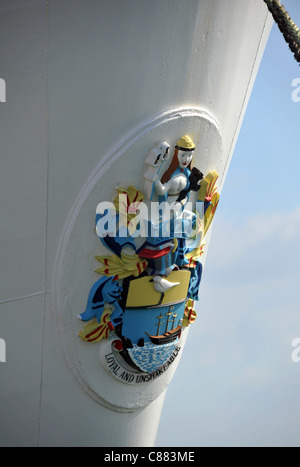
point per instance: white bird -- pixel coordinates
(161, 284)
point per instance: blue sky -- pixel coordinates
(236, 384)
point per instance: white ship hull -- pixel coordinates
(89, 86)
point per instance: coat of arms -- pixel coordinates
(143, 301)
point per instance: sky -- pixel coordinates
(237, 384)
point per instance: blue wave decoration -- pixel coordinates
(151, 357)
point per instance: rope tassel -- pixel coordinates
(286, 25)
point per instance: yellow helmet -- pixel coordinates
(185, 143)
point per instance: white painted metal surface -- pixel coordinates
(90, 86)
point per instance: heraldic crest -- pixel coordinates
(140, 307)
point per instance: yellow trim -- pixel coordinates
(175, 245)
(207, 187)
(208, 192)
(210, 212)
(122, 267)
(94, 331)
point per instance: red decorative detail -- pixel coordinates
(118, 345)
(111, 326)
(93, 332)
(146, 253)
